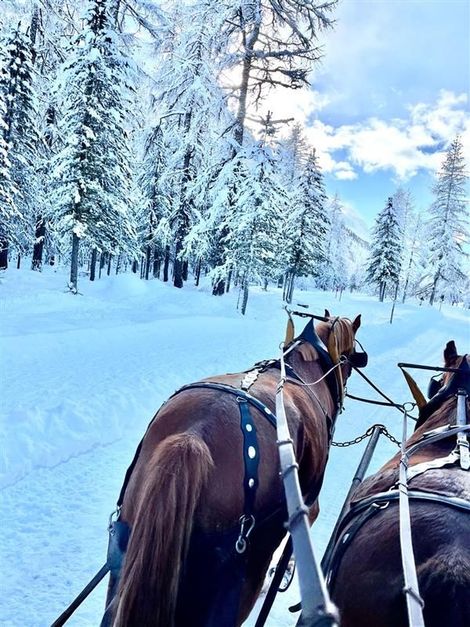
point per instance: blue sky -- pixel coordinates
(391, 93)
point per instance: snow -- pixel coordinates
(83, 375)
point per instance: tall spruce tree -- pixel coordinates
(253, 222)
(18, 140)
(154, 231)
(193, 106)
(307, 225)
(385, 258)
(448, 224)
(333, 271)
(91, 193)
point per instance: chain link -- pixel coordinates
(368, 433)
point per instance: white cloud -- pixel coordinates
(402, 146)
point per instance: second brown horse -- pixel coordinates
(367, 581)
(185, 495)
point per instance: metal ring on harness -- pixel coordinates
(245, 521)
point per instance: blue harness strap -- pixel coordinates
(250, 455)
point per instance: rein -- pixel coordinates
(317, 604)
(389, 403)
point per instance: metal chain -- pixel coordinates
(368, 433)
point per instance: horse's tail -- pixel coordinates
(159, 542)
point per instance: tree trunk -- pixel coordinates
(102, 262)
(178, 270)
(229, 280)
(434, 287)
(148, 253)
(197, 273)
(219, 287)
(135, 266)
(166, 263)
(382, 292)
(110, 258)
(73, 285)
(118, 263)
(185, 270)
(394, 303)
(245, 289)
(94, 256)
(39, 244)
(3, 254)
(156, 263)
(18, 261)
(290, 289)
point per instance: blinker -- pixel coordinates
(434, 387)
(358, 359)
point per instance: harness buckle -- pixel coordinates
(114, 517)
(247, 524)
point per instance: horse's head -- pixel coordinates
(339, 335)
(455, 361)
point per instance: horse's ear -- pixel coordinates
(327, 314)
(450, 352)
(356, 323)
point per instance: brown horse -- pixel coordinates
(190, 561)
(366, 576)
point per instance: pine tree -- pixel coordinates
(307, 225)
(448, 225)
(253, 221)
(385, 258)
(154, 231)
(18, 139)
(333, 271)
(193, 109)
(274, 45)
(91, 191)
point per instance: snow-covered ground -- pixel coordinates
(82, 376)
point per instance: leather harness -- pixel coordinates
(364, 509)
(119, 531)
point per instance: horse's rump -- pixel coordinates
(176, 474)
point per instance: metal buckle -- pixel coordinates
(245, 521)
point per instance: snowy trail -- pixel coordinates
(86, 374)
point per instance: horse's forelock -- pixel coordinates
(343, 329)
(346, 335)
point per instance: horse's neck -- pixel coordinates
(445, 415)
(306, 364)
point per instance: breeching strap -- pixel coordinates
(317, 606)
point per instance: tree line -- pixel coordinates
(126, 142)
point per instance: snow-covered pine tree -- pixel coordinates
(385, 259)
(333, 273)
(154, 232)
(307, 225)
(91, 193)
(192, 104)
(448, 224)
(273, 45)
(18, 140)
(253, 222)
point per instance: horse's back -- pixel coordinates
(369, 584)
